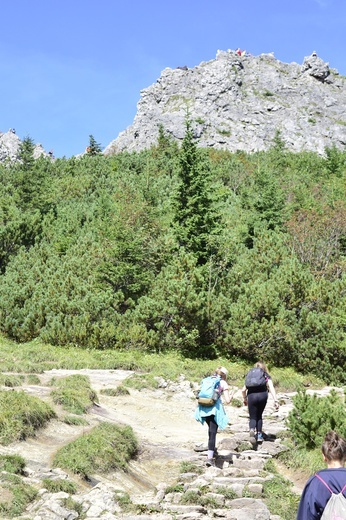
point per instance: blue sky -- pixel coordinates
(71, 68)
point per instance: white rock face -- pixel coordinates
(240, 102)
(10, 145)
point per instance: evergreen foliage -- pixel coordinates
(312, 417)
(194, 216)
(26, 153)
(94, 147)
(205, 252)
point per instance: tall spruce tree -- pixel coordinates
(94, 148)
(26, 153)
(194, 220)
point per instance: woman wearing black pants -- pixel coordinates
(256, 397)
(215, 416)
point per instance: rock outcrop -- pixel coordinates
(241, 102)
(10, 146)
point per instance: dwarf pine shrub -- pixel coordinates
(312, 417)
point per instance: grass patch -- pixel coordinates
(73, 420)
(141, 381)
(58, 485)
(73, 505)
(279, 498)
(228, 493)
(33, 379)
(15, 495)
(11, 381)
(74, 393)
(244, 446)
(191, 497)
(35, 357)
(190, 467)
(175, 488)
(105, 448)
(21, 415)
(12, 464)
(224, 132)
(287, 380)
(125, 502)
(115, 391)
(296, 458)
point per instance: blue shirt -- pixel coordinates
(315, 494)
(218, 410)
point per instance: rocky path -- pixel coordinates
(168, 434)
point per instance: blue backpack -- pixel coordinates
(209, 391)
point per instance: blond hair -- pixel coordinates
(221, 371)
(261, 365)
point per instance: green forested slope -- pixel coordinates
(202, 251)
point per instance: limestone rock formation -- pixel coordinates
(10, 145)
(240, 102)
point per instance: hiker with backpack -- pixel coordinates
(258, 384)
(324, 495)
(210, 408)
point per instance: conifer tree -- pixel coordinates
(26, 153)
(94, 148)
(194, 218)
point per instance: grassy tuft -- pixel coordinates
(74, 393)
(277, 494)
(190, 467)
(141, 381)
(301, 459)
(228, 493)
(105, 448)
(12, 464)
(279, 498)
(73, 505)
(244, 446)
(33, 379)
(21, 415)
(15, 495)
(58, 485)
(114, 392)
(72, 420)
(11, 381)
(191, 497)
(125, 502)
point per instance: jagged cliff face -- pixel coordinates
(240, 102)
(10, 146)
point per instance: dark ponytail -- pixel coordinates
(334, 447)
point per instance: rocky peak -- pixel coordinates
(10, 145)
(238, 102)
